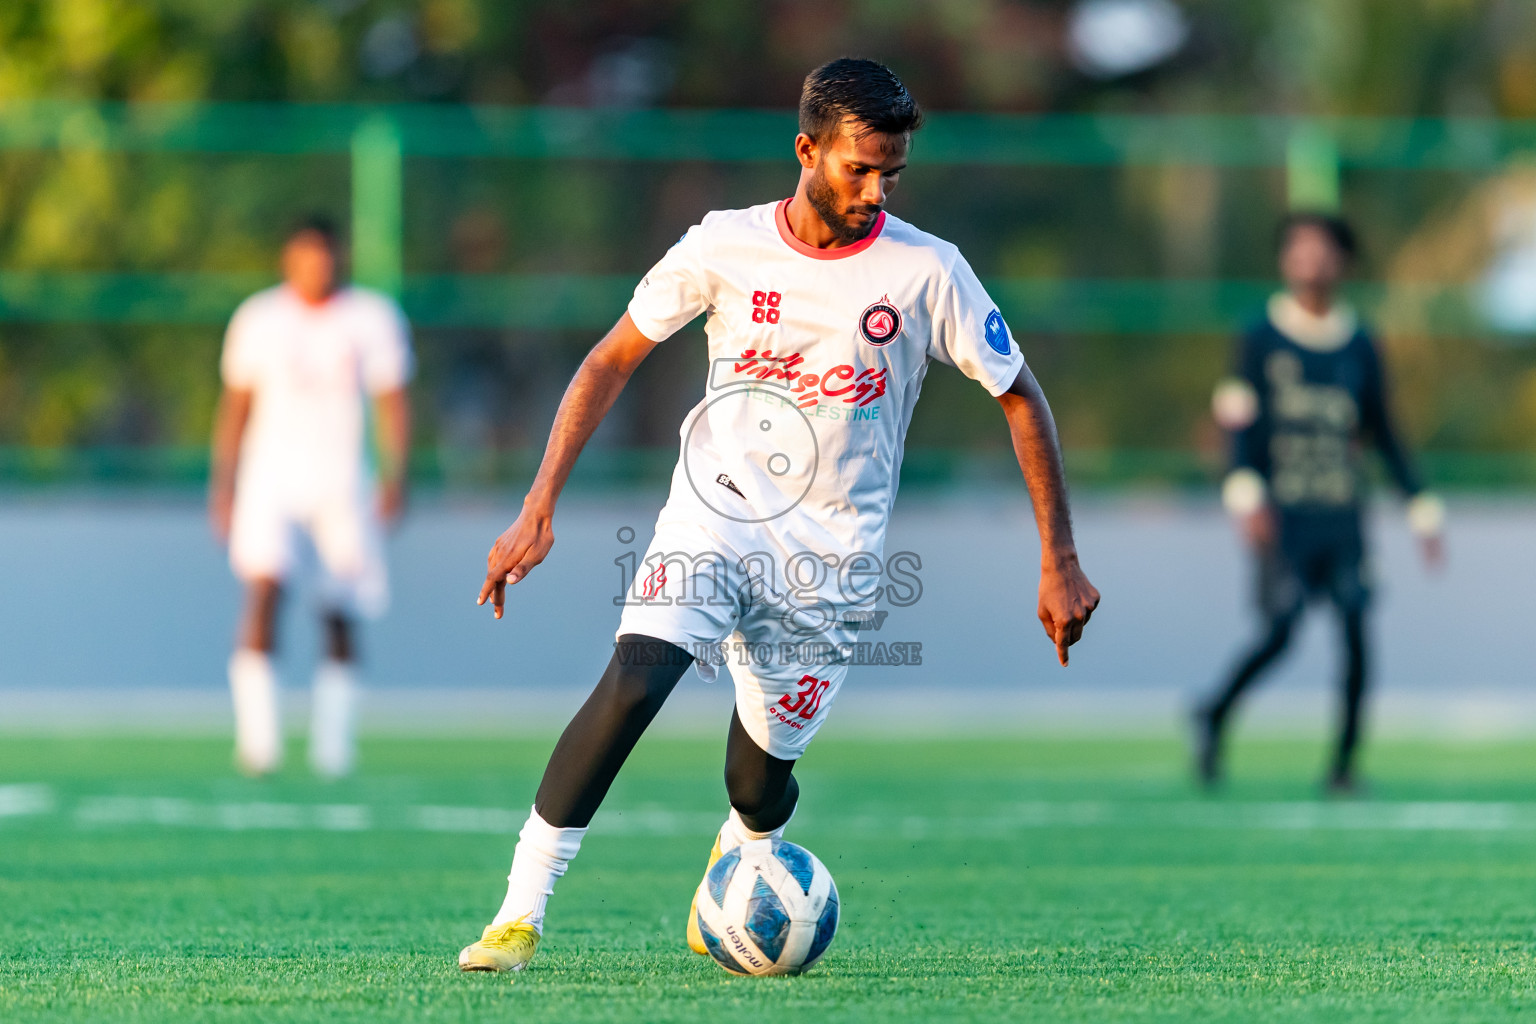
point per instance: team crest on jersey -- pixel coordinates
(881, 322)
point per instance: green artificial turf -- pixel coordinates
(981, 880)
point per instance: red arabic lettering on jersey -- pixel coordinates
(851, 385)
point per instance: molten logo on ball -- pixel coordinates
(767, 907)
(881, 322)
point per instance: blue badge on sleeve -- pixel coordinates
(997, 333)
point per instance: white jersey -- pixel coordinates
(310, 369)
(816, 360)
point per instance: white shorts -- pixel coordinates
(270, 538)
(694, 590)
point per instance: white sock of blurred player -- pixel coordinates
(735, 832)
(543, 853)
(333, 720)
(258, 732)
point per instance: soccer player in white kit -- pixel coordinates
(823, 314)
(291, 479)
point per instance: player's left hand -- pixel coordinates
(1067, 601)
(523, 546)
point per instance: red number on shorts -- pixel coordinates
(808, 700)
(809, 711)
(808, 686)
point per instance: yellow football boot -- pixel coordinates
(502, 947)
(696, 937)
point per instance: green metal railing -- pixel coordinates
(595, 301)
(1312, 151)
(553, 133)
(605, 469)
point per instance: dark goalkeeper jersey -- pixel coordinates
(1316, 409)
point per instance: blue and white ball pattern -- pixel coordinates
(767, 907)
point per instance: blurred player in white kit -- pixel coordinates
(291, 479)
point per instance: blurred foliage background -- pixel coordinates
(71, 385)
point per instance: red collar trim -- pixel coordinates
(781, 218)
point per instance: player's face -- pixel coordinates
(309, 266)
(1311, 260)
(851, 176)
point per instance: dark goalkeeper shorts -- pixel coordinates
(1316, 557)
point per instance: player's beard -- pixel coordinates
(824, 201)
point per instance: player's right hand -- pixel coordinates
(524, 545)
(1258, 527)
(221, 512)
(1433, 549)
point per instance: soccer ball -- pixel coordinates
(767, 907)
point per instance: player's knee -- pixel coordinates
(338, 637)
(258, 630)
(753, 791)
(752, 803)
(749, 797)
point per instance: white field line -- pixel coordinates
(230, 816)
(25, 799)
(1451, 713)
(101, 812)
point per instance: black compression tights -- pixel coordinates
(1274, 642)
(594, 746)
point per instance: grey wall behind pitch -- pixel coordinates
(132, 591)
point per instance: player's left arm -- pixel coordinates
(1426, 513)
(387, 367)
(392, 419)
(1067, 599)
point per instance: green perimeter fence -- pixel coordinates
(184, 469)
(1313, 153)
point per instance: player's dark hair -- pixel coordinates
(317, 224)
(865, 91)
(1335, 227)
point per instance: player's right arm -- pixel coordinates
(592, 392)
(675, 291)
(1238, 407)
(239, 371)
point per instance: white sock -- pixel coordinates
(258, 732)
(735, 832)
(333, 719)
(543, 853)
